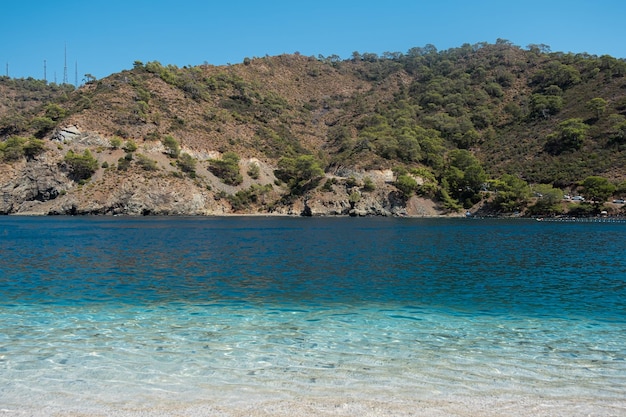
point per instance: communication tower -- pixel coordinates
(65, 66)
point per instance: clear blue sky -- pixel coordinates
(106, 36)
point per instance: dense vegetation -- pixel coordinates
(486, 123)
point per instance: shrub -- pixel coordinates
(17, 147)
(146, 163)
(55, 112)
(351, 182)
(187, 164)
(244, 198)
(123, 164)
(254, 171)
(116, 142)
(130, 146)
(548, 199)
(354, 198)
(42, 125)
(368, 184)
(33, 147)
(152, 136)
(172, 147)
(582, 209)
(13, 148)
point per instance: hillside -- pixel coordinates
(493, 128)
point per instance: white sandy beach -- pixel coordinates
(460, 407)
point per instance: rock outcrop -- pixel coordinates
(31, 185)
(42, 185)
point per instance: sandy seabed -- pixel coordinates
(459, 407)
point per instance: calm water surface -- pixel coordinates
(99, 312)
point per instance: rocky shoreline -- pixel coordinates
(43, 185)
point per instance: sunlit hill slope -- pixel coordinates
(493, 128)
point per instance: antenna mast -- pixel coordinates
(45, 78)
(76, 74)
(65, 66)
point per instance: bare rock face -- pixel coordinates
(37, 182)
(350, 201)
(134, 196)
(156, 198)
(73, 134)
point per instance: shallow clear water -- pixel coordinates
(105, 312)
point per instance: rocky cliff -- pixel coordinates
(43, 185)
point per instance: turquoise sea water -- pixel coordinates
(100, 313)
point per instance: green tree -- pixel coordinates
(446, 199)
(55, 112)
(548, 199)
(300, 173)
(464, 177)
(545, 105)
(17, 147)
(473, 174)
(42, 126)
(227, 168)
(597, 189)
(512, 193)
(569, 137)
(89, 79)
(597, 105)
(82, 166)
(557, 73)
(620, 189)
(33, 147)
(618, 129)
(406, 184)
(13, 148)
